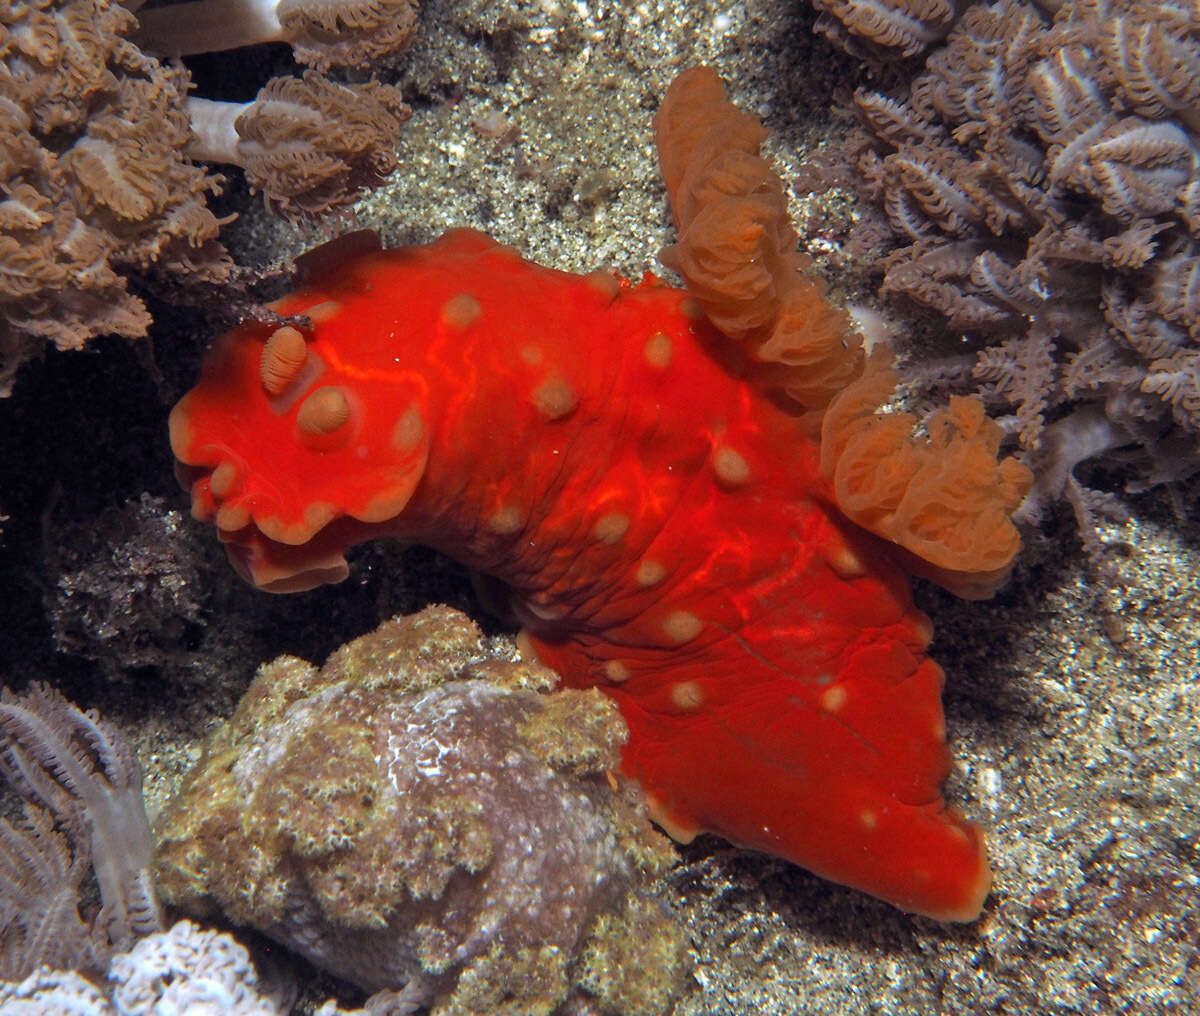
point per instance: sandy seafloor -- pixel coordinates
(1079, 752)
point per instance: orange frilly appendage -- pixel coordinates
(737, 249)
(946, 500)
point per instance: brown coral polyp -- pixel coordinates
(1045, 175)
(307, 144)
(91, 139)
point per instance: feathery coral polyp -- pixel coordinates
(660, 502)
(1044, 172)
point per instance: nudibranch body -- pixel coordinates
(664, 526)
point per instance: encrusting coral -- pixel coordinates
(417, 818)
(689, 519)
(1044, 178)
(98, 181)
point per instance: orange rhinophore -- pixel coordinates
(688, 500)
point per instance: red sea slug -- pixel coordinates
(687, 498)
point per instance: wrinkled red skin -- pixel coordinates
(764, 651)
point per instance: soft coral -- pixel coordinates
(75, 773)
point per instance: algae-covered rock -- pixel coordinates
(418, 816)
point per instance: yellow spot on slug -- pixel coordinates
(544, 609)
(531, 355)
(846, 563)
(180, 429)
(233, 517)
(833, 698)
(461, 311)
(409, 430)
(868, 819)
(681, 830)
(682, 626)
(319, 313)
(554, 397)
(525, 647)
(923, 630)
(730, 467)
(616, 671)
(657, 350)
(222, 480)
(324, 411)
(687, 695)
(650, 573)
(604, 283)
(941, 674)
(318, 515)
(691, 309)
(292, 533)
(611, 527)
(506, 521)
(282, 359)
(383, 506)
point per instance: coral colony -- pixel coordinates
(1042, 178)
(100, 144)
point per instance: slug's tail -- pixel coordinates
(842, 778)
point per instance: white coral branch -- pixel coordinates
(323, 33)
(307, 143)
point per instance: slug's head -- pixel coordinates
(305, 435)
